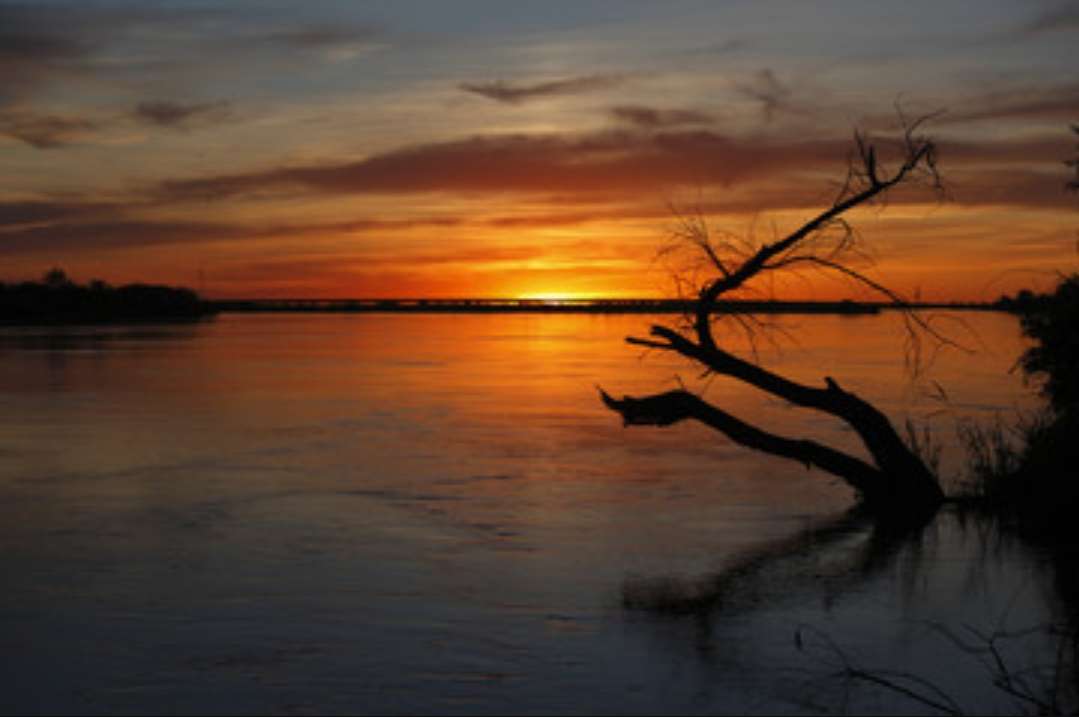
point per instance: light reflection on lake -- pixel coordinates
(399, 513)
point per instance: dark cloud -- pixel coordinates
(18, 213)
(96, 235)
(1042, 149)
(1011, 187)
(514, 94)
(631, 164)
(1060, 102)
(1048, 21)
(321, 37)
(36, 44)
(27, 227)
(725, 47)
(44, 131)
(44, 43)
(323, 42)
(766, 89)
(73, 226)
(177, 115)
(601, 162)
(652, 118)
(1063, 17)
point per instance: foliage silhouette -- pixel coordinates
(1027, 472)
(57, 299)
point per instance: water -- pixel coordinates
(402, 513)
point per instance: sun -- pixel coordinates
(555, 296)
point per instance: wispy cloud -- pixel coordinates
(653, 118)
(34, 47)
(177, 115)
(613, 177)
(601, 162)
(36, 211)
(322, 36)
(42, 44)
(1061, 18)
(28, 226)
(1039, 26)
(724, 47)
(628, 163)
(766, 89)
(45, 131)
(1012, 187)
(1057, 102)
(327, 42)
(514, 94)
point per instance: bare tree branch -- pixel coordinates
(674, 406)
(826, 242)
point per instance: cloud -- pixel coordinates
(35, 45)
(1061, 18)
(630, 164)
(725, 47)
(1058, 102)
(176, 115)
(601, 162)
(29, 226)
(51, 131)
(97, 235)
(1042, 149)
(43, 44)
(328, 42)
(37, 211)
(1012, 187)
(652, 118)
(321, 37)
(44, 131)
(515, 94)
(766, 88)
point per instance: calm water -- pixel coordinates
(342, 513)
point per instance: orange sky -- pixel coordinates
(343, 149)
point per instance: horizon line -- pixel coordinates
(572, 305)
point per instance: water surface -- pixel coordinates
(434, 513)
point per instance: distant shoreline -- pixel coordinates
(56, 300)
(565, 306)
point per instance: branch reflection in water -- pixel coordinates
(977, 660)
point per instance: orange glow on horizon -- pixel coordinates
(556, 296)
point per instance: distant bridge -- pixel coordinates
(538, 306)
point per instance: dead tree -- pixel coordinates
(896, 480)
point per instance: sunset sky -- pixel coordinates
(401, 149)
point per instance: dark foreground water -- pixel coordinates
(371, 513)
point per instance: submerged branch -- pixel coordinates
(674, 406)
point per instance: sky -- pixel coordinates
(489, 149)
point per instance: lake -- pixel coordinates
(327, 513)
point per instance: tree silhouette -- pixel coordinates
(56, 278)
(58, 299)
(897, 480)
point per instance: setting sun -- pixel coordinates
(555, 296)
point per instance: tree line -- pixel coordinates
(58, 299)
